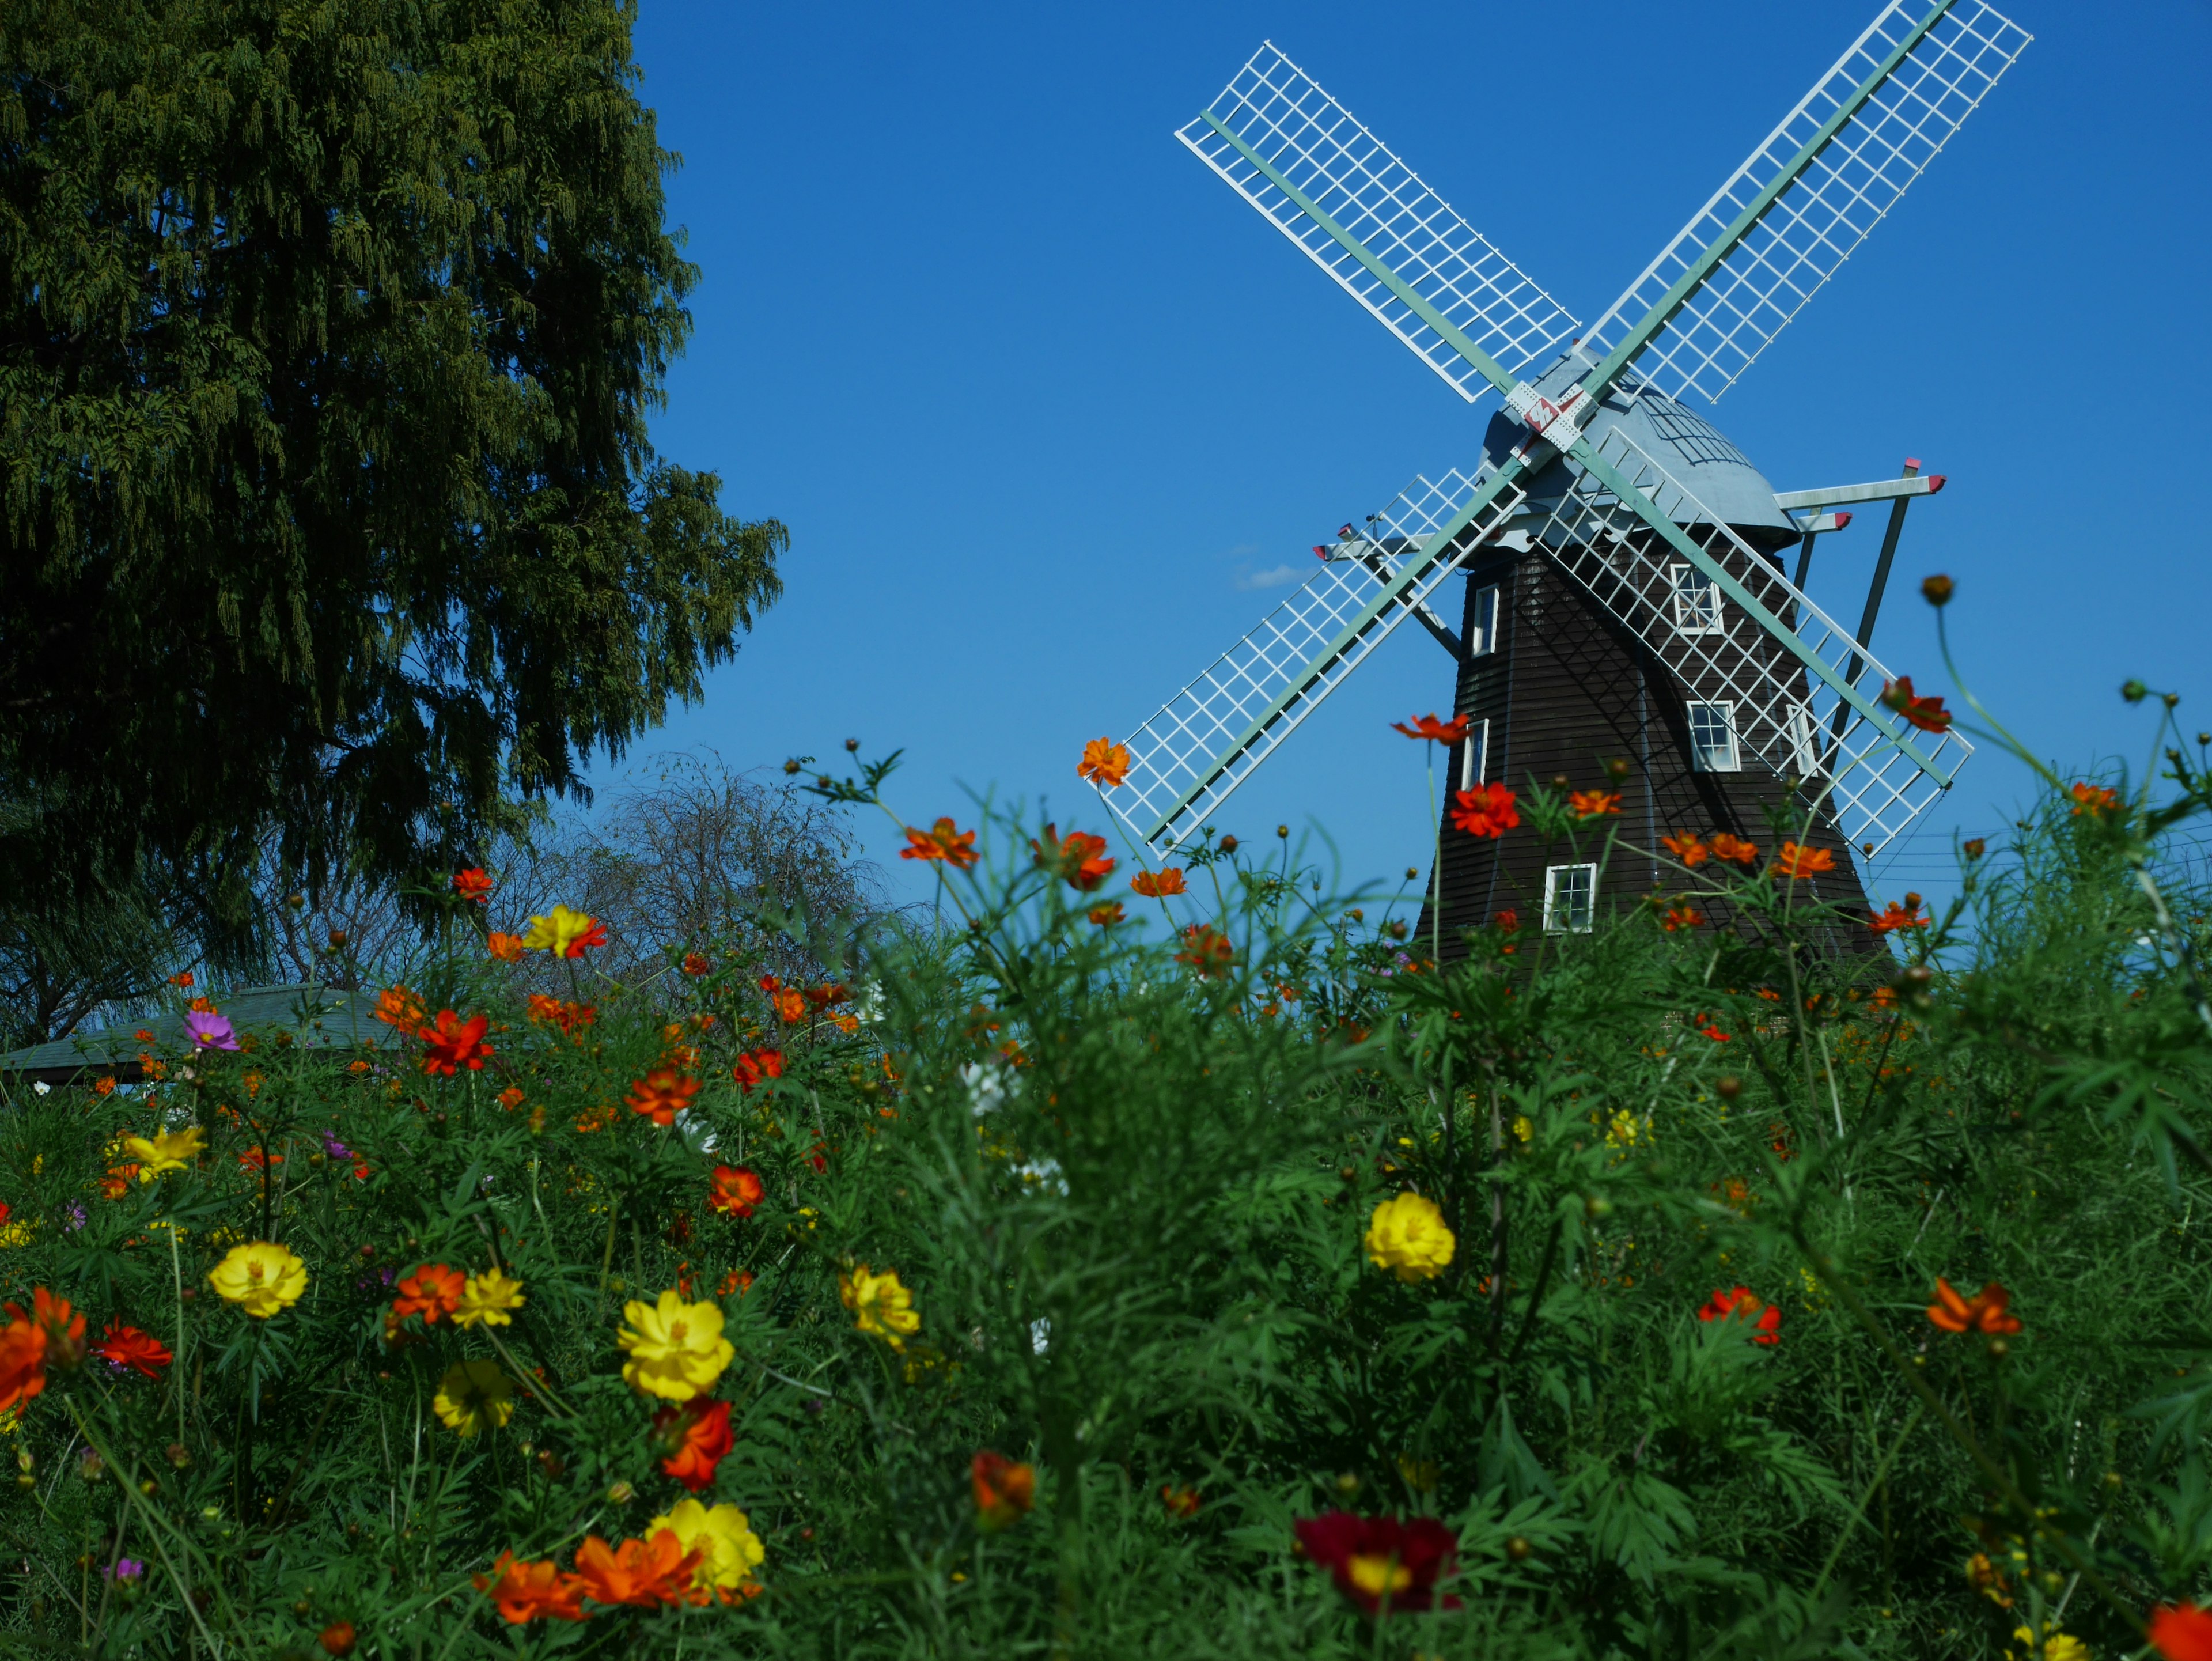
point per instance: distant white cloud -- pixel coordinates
(1274, 579)
(1243, 549)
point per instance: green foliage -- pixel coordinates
(1126, 1180)
(329, 338)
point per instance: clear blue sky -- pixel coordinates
(1040, 398)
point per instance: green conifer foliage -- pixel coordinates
(327, 339)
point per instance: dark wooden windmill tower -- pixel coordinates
(1625, 596)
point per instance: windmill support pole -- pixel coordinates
(1865, 635)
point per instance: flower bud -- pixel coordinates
(852, 746)
(1597, 1205)
(1229, 844)
(621, 1494)
(337, 1638)
(791, 766)
(1518, 1549)
(1728, 1086)
(2134, 690)
(1937, 590)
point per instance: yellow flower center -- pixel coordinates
(253, 1272)
(1377, 1575)
(676, 1332)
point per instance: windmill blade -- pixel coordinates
(1365, 217)
(1625, 529)
(1188, 758)
(1789, 217)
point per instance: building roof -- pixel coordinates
(318, 1017)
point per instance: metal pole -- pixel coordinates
(1865, 637)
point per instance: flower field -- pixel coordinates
(1160, 1261)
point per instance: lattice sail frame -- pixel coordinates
(1946, 58)
(1277, 110)
(1785, 715)
(1206, 740)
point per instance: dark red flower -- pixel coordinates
(453, 1043)
(695, 964)
(125, 1347)
(472, 885)
(1380, 1563)
(1489, 810)
(755, 1065)
(1741, 1304)
(1929, 715)
(697, 1435)
(1438, 732)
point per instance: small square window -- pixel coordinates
(1697, 600)
(1482, 623)
(1475, 755)
(1569, 898)
(1712, 738)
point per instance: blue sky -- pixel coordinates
(1041, 400)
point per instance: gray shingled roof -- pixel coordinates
(319, 1017)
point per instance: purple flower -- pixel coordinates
(126, 1568)
(75, 1214)
(335, 1148)
(209, 1032)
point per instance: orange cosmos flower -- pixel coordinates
(1984, 1313)
(1795, 862)
(1929, 715)
(1438, 732)
(1689, 849)
(510, 1097)
(1182, 1503)
(472, 885)
(739, 1281)
(1077, 858)
(831, 993)
(398, 1007)
(431, 1291)
(2092, 799)
(126, 1347)
(662, 1094)
(1104, 762)
(789, 1004)
(736, 1191)
(1741, 1304)
(1898, 916)
(508, 948)
(941, 842)
(1105, 915)
(1684, 915)
(1733, 850)
(1488, 810)
(561, 1013)
(29, 1341)
(2181, 1632)
(1592, 804)
(1207, 950)
(531, 1592)
(695, 964)
(697, 1434)
(640, 1574)
(753, 1066)
(454, 1043)
(1157, 884)
(1003, 1490)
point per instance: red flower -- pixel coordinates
(697, 1435)
(472, 885)
(753, 1066)
(125, 1347)
(1004, 1491)
(941, 842)
(1929, 715)
(561, 1013)
(1182, 1503)
(1207, 950)
(1078, 858)
(1486, 811)
(662, 1094)
(508, 948)
(1684, 915)
(2181, 1632)
(1438, 732)
(789, 1004)
(1155, 884)
(1795, 862)
(1506, 922)
(641, 1574)
(1380, 1563)
(1741, 1304)
(2092, 799)
(1592, 804)
(739, 1281)
(1689, 849)
(1898, 916)
(398, 1007)
(431, 1291)
(1106, 915)
(533, 1591)
(822, 997)
(1985, 1313)
(736, 1191)
(1734, 850)
(453, 1043)
(1105, 762)
(695, 965)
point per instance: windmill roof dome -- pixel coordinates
(1697, 453)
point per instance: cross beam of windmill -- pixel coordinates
(1624, 598)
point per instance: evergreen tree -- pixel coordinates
(328, 335)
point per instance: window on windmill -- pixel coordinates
(1482, 623)
(1697, 600)
(1475, 755)
(1569, 898)
(1712, 738)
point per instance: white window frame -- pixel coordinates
(1475, 755)
(1697, 600)
(1482, 623)
(1554, 923)
(1700, 760)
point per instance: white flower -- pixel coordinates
(43, 1087)
(989, 1084)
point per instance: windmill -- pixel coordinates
(1624, 594)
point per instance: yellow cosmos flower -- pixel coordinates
(170, 1150)
(675, 1349)
(488, 1298)
(559, 933)
(880, 1304)
(1407, 1236)
(473, 1395)
(259, 1278)
(730, 1550)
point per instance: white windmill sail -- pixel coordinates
(1366, 218)
(1207, 740)
(1785, 221)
